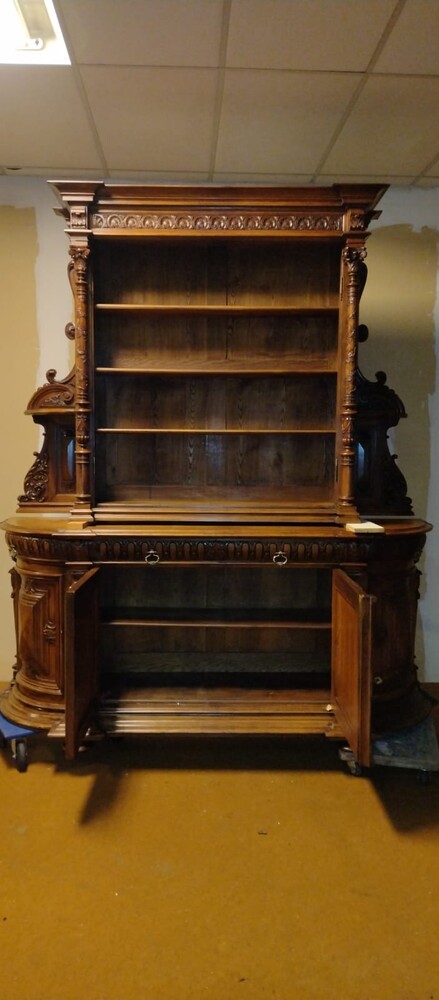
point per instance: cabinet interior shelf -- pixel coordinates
(210, 621)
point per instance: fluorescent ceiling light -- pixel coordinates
(30, 33)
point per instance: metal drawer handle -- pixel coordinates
(378, 680)
(152, 557)
(280, 558)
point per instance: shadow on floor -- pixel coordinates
(409, 805)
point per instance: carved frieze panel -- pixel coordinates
(92, 550)
(217, 222)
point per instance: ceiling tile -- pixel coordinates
(306, 34)
(153, 119)
(144, 32)
(156, 176)
(61, 172)
(248, 177)
(278, 122)
(413, 46)
(402, 180)
(391, 130)
(43, 120)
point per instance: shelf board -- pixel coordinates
(224, 367)
(214, 430)
(219, 310)
(219, 622)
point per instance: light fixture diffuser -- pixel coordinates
(30, 33)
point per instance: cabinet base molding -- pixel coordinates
(30, 715)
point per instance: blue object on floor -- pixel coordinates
(17, 737)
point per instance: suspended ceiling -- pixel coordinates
(282, 91)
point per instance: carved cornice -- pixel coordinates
(212, 221)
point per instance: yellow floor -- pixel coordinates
(213, 870)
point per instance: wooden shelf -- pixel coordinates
(223, 367)
(219, 310)
(176, 621)
(214, 430)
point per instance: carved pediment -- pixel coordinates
(54, 394)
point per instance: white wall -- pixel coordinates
(400, 306)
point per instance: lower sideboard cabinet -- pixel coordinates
(291, 634)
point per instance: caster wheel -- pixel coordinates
(21, 758)
(356, 770)
(424, 778)
(347, 757)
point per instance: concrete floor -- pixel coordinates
(213, 870)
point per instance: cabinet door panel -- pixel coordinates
(81, 683)
(351, 662)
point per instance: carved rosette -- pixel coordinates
(353, 260)
(226, 221)
(78, 217)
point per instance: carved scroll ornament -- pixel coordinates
(55, 393)
(37, 480)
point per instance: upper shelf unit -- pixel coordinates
(216, 335)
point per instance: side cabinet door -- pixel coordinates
(351, 663)
(81, 665)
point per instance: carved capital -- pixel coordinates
(354, 257)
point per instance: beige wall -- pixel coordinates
(19, 356)
(400, 306)
(35, 305)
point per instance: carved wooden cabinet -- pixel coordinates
(183, 561)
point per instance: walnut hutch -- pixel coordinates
(184, 554)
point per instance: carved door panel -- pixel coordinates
(38, 605)
(351, 663)
(81, 667)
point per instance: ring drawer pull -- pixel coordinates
(280, 558)
(152, 557)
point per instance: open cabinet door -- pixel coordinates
(81, 665)
(351, 663)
